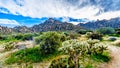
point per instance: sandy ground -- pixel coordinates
(115, 55)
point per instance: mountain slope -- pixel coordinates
(5, 30)
(22, 29)
(114, 23)
(53, 25)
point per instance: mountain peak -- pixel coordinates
(52, 21)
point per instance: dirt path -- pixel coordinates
(115, 54)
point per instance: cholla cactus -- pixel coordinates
(71, 46)
(91, 48)
(74, 49)
(99, 48)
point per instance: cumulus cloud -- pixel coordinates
(8, 22)
(91, 9)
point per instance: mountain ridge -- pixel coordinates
(56, 25)
(113, 23)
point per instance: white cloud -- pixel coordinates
(74, 23)
(54, 8)
(8, 22)
(107, 15)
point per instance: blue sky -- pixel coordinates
(30, 12)
(21, 20)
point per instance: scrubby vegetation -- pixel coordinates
(94, 35)
(50, 42)
(23, 37)
(76, 50)
(49, 46)
(29, 55)
(106, 30)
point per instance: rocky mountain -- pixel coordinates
(114, 23)
(22, 29)
(53, 25)
(5, 30)
(56, 25)
(49, 25)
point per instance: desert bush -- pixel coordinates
(18, 36)
(49, 42)
(95, 35)
(37, 39)
(59, 63)
(82, 31)
(106, 30)
(23, 37)
(9, 46)
(74, 35)
(28, 37)
(3, 37)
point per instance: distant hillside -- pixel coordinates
(53, 25)
(22, 29)
(5, 30)
(49, 25)
(56, 25)
(114, 23)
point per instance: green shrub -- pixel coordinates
(81, 31)
(3, 37)
(74, 35)
(49, 42)
(38, 39)
(23, 37)
(106, 30)
(95, 35)
(59, 63)
(9, 45)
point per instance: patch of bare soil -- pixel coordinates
(115, 55)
